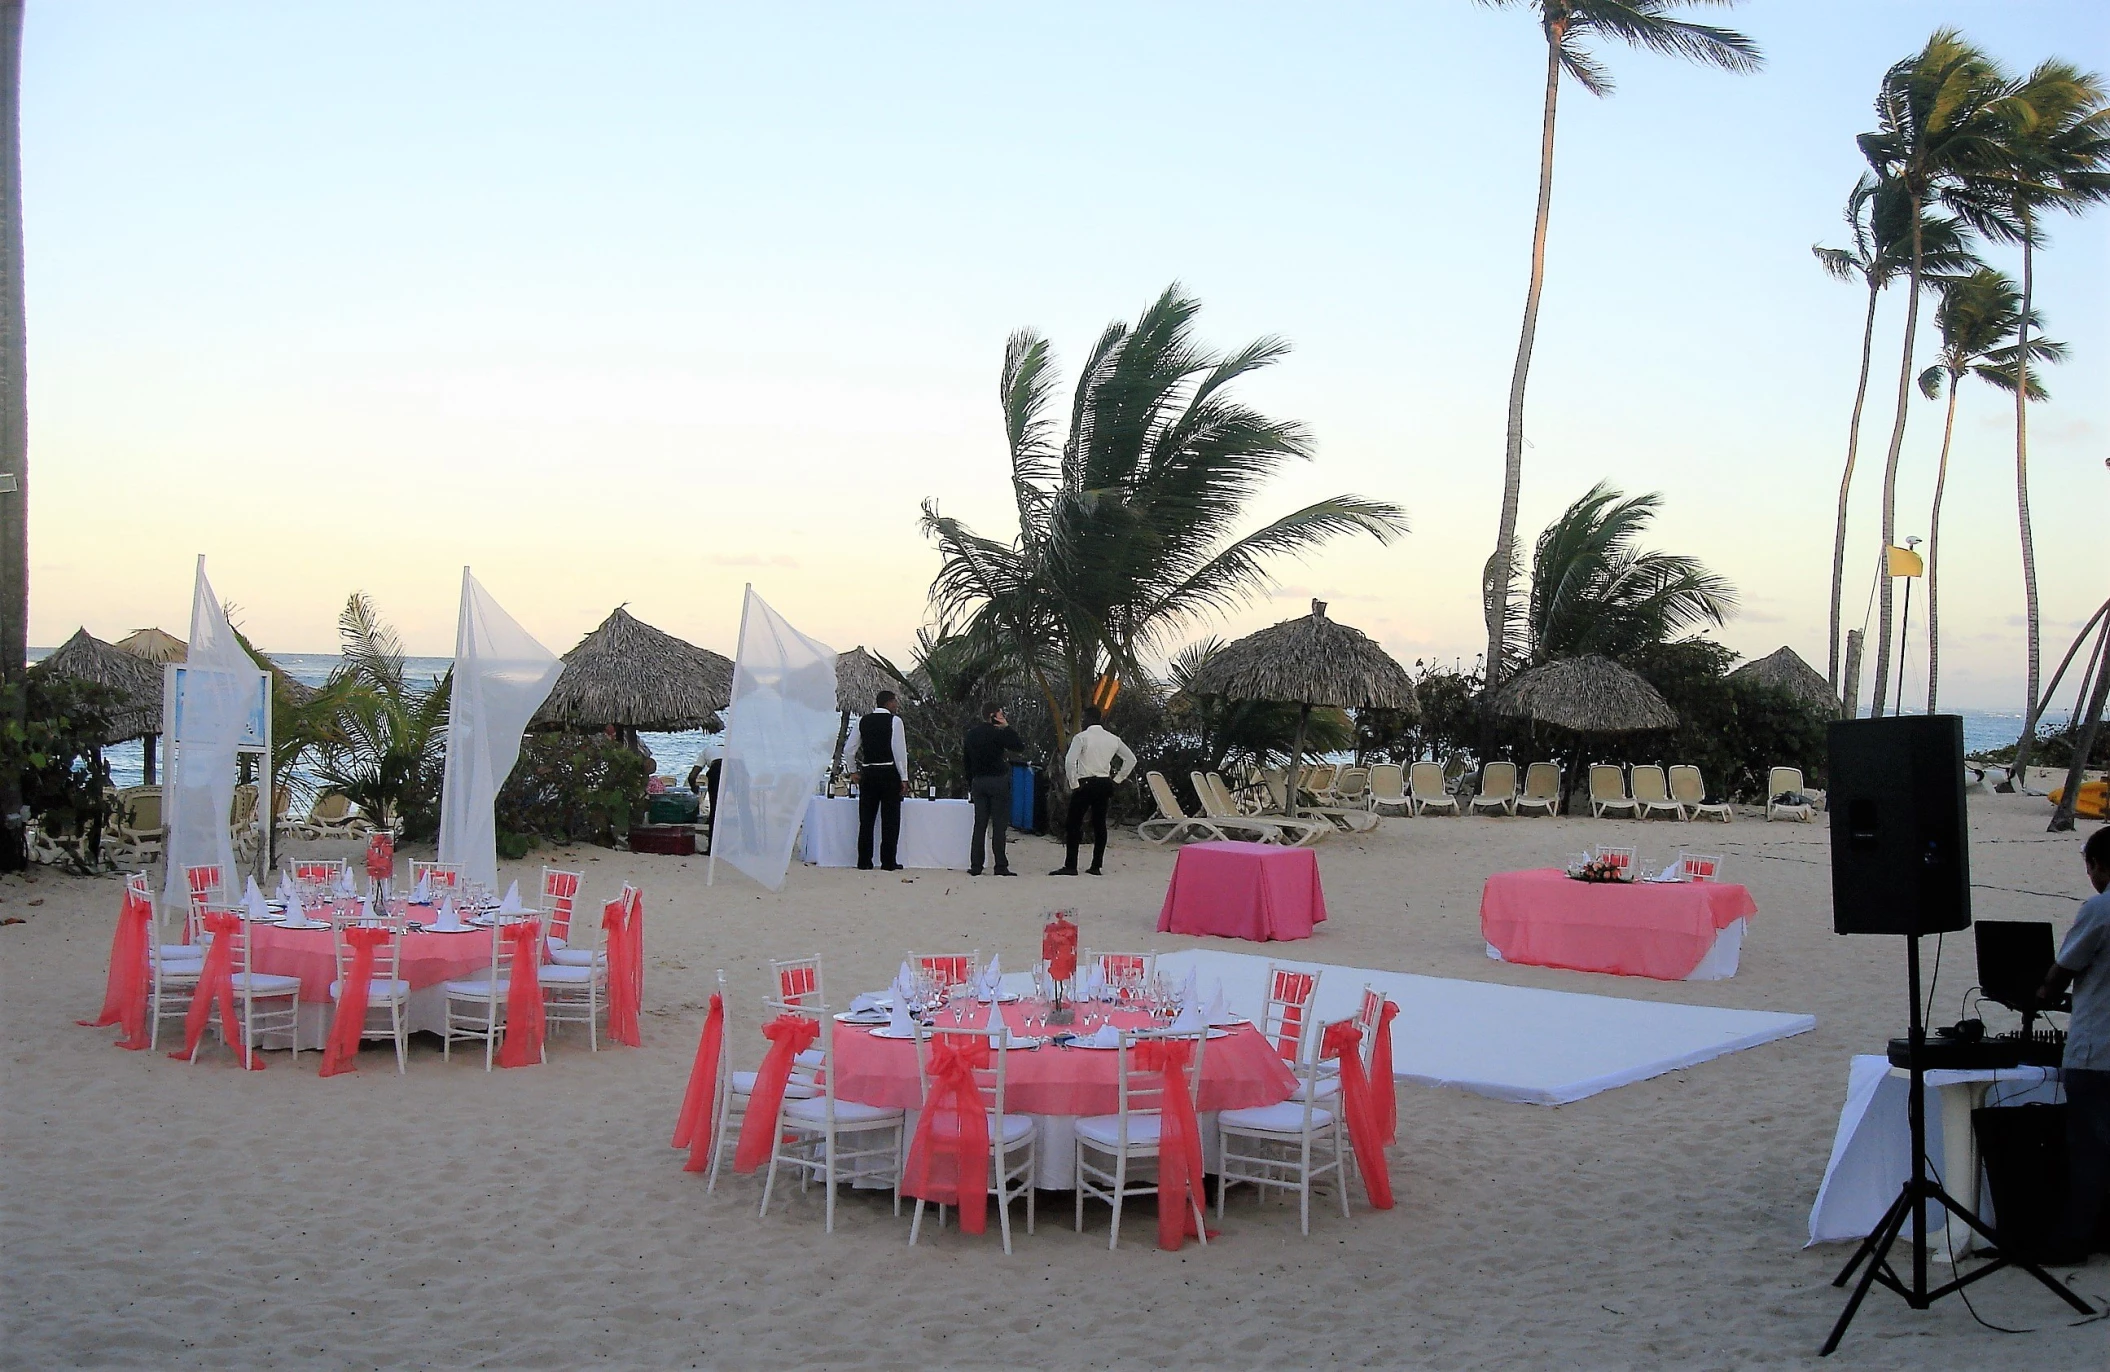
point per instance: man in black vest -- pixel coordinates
(878, 748)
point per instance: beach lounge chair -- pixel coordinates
(1782, 781)
(1608, 791)
(1173, 823)
(138, 833)
(1351, 787)
(1298, 831)
(1218, 806)
(1348, 820)
(1542, 789)
(1498, 788)
(1652, 792)
(1426, 790)
(1388, 786)
(1689, 790)
(1317, 781)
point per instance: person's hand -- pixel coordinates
(903, 783)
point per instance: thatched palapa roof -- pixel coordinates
(155, 645)
(859, 678)
(634, 676)
(1308, 661)
(137, 682)
(1784, 670)
(1588, 694)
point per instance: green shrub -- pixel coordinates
(572, 787)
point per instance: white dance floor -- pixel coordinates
(1513, 1043)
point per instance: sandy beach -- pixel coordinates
(170, 1216)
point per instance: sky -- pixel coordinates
(637, 303)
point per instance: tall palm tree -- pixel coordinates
(14, 427)
(1570, 26)
(380, 737)
(2061, 146)
(1981, 320)
(1942, 119)
(1881, 251)
(1595, 590)
(1126, 533)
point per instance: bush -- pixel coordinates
(568, 788)
(57, 754)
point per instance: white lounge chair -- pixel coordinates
(1388, 786)
(1782, 781)
(1542, 789)
(1348, 820)
(1498, 788)
(1652, 792)
(1689, 789)
(1223, 812)
(1173, 822)
(1426, 789)
(1608, 791)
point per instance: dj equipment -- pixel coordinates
(2040, 1048)
(1900, 843)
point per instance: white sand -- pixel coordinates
(171, 1216)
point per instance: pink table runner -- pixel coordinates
(1546, 918)
(310, 954)
(1237, 1072)
(1243, 890)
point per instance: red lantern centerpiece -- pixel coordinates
(1058, 948)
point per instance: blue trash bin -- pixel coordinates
(1022, 798)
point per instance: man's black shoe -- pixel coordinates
(1063, 872)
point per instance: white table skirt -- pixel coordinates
(1719, 964)
(934, 833)
(1055, 1162)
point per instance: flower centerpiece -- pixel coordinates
(1058, 949)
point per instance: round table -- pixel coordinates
(427, 961)
(1058, 1085)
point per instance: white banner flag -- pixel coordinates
(501, 677)
(217, 684)
(779, 732)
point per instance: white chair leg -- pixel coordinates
(1340, 1168)
(769, 1184)
(1032, 1170)
(1003, 1202)
(1077, 1178)
(1113, 1237)
(1304, 1186)
(828, 1172)
(916, 1225)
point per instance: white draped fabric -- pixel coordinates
(501, 677)
(219, 688)
(779, 733)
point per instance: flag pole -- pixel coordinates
(747, 594)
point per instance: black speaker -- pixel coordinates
(1901, 860)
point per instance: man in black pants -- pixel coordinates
(878, 748)
(989, 785)
(1095, 762)
(2084, 964)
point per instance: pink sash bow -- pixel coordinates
(341, 1053)
(623, 924)
(1360, 1111)
(692, 1129)
(125, 994)
(1179, 1142)
(948, 1162)
(523, 1045)
(789, 1036)
(217, 984)
(1383, 1090)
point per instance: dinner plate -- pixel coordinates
(1219, 1033)
(856, 1017)
(883, 1032)
(302, 924)
(1228, 1023)
(434, 929)
(1105, 1047)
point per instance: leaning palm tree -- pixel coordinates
(1980, 317)
(380, 738)
(2061, 145)
(1595, 590)
(1569, 27)
(1943, 122)
(1881, 251)
(1127, 531)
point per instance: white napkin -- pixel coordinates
(421, 894)
(904, 985)
(868, 1000)
(1190, 994)
(1188, 1021)
(1107, 1036)
(1093, 983)
(1014, 1039)
(253, 901)
(992, 982)
(366, 910)
(449, 917)
(1218, 1011)
(296, 913)
(511, 904)
(285, 886)
(898, 1023)
(1670, 873)
(344, 883)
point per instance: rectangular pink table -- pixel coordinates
(1634, 929)
(1253, 891)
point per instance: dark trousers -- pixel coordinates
(878, 795)
(992, 816)
(1091, 796)
(2087, 1155)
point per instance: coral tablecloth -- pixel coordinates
(427, 959)
(1547, 918)
(1243, 890)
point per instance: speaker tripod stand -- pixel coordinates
(1916, 1198)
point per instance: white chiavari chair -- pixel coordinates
(798, 982)
(1014, 1140)
(1288, 1146)
(947, 970)
(735, 1088)
(1127, 970)
(476, 1006)
(387, 994)
(1699, 866)
(576, 992)
(829, 1140)
(1286, 1022)
(173, 968)
(264, 1002)
(447, 874)
(560, 899)
(1132, 1134)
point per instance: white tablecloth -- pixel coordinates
(934, 833)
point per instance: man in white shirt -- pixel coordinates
(1095, 762)
(878, 749)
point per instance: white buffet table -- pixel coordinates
(934, 833)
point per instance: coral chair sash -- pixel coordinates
(341, 1053)
(125, 993)
(948, 1162)
(1342, 1040)
(1179, 1142)
(789, 1036)
(623, 928)
(699, 1112)
(217, 984)
(1383, 1090)
(523, 1045)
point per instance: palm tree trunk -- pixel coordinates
(2032, 625)
(1890, 465)
(1846, 481)
(1497, 586)
(1296, 763)
(14, 427)
(1941, 479)
(2084, 740)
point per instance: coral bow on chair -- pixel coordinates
(789, 1036)
(1365, 1130)
(692, 1129)
(523, 1045)
(1179, 1144)
(216, 984)
(341, 1053)
(622, 922)
(125, 994)
(948, 1162)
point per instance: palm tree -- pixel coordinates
(14, 429)
(1882, 249)
(1594, 590)
(380, 737)
(1569, 26)
(2061, 144)
(1942, 119)
(1980, 317)
(1126, 533)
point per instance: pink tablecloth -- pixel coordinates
(1243, 890)
(1237, 1072)
(1547, 918)
(428, 959)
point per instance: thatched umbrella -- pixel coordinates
(1585, 695)
(155, 645)
(859, 678)
(632, 676)
(137, 682)
(1307, 662)
(1786, 672)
